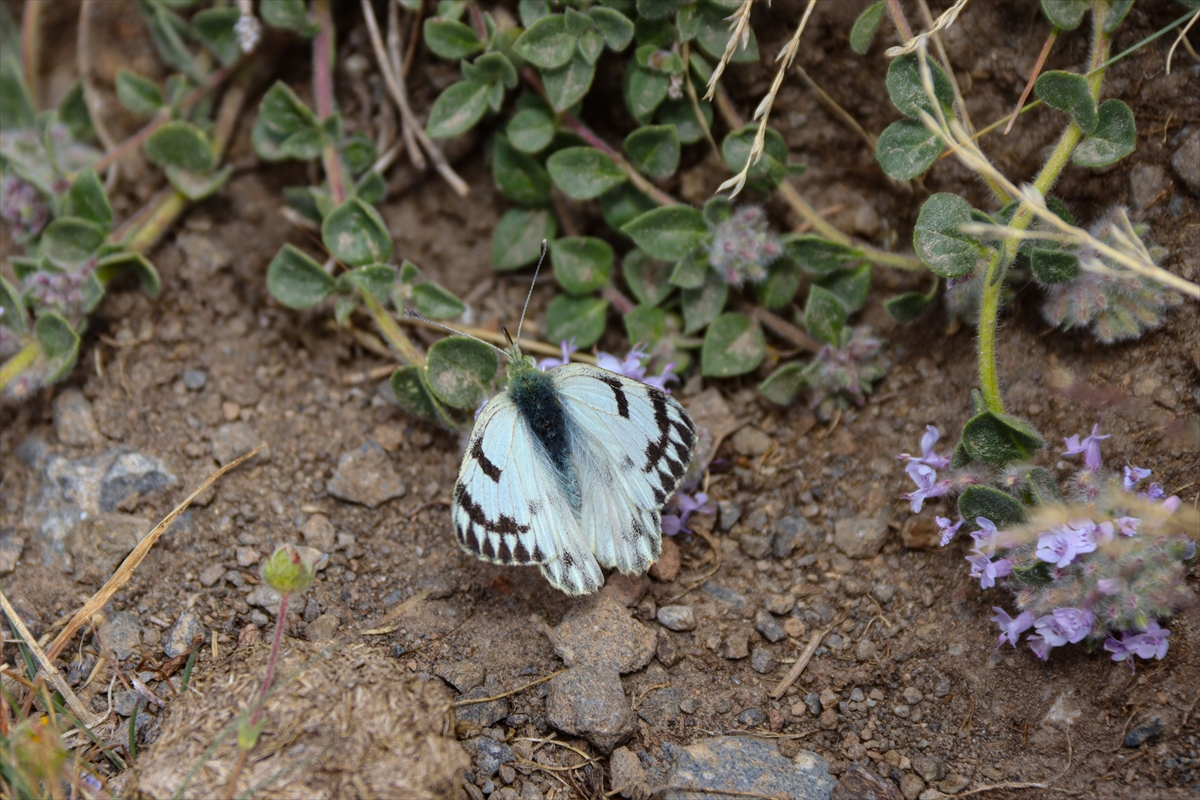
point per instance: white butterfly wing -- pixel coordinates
(631, 445)
(508, 507)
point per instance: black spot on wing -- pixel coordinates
(618, 391)
(504, 553)
(502, 524)
(520, 554)
(485, 463)
(488, 550)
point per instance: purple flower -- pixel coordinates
(1171, 504)
(1128, 526)
(928, 457)
(1090, 447)
(1110, 585)
(948, 530)
(567, 349)
(986, 537)
(1065, 625)
(1151, 644)
(927, 484)
(1010, 628)
(687, 505)
(1040, 647)
(1134, 476)
(987, 570)
(1118, 649)
(1057, 546)
(1153, 492)
(632, 366)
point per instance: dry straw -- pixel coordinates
(944, 21)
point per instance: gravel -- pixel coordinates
(366, 476)
(763, 661)
(601, 631)
(860, 537)
(73, 420)
(589, 701)
(180, 636)
(121, 633)
(742, 764)
(677, 618)
(768, 626)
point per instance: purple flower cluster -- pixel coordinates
(849, 369)
(741, 247)
(23, 205)
(923, 471)
(632, 366)
(684, 505)
(61, 291)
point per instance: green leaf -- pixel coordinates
(408, 271)
(653, 29)
(492, 68)
(354, 234)
(73, 112)
(197, 187)
(16, 107)
(771, 167)
(581, 264)
(214, 27)
(1114, 138)
(669, 233)
(519, 176)
(457, 110)
(908, 306)
(451, 39)
(530, 130)
(816, 255)
(86, 199)
(139, 95)
(863, 32)
(109, 267)
(1041, 488)
(591, 45)
(1117, 10)
(1000, 439)
(850, 286)
(69, 241)
(825, 315)
(13, 316)
(689, 272)
(622, 204)
(704, 304)
(459, 371)
(377, 280)
(530, 11)
(779, 288)
(59, 343)
(578, 318)
(906, 148)
(411, 393)
(584, 173)
(285, 127)
(288, 15)
(733, 345)
(717, 209)
(654, 150)
(344, 306)
(1053, 266)
(296, 281)
(615, 27)
(713, 36)
(682, 115)
(567, 85)
(167, 31)
(991, 504)
(1069, 92)
(1065, 14)
(517, 237)
(940, 243)
(180, 144)
(782, 385)
(434, 302)
(546, 43)
(645, 325)
(358, 152)
(644, 90)
(646, 277)
(908, 93)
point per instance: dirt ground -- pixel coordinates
(929, 697)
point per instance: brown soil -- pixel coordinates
(986, 714)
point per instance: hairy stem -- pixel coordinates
(391, 331)
(20, 362)
(323, 95)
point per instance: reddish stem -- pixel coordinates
(898, 18)
(271, 659)
(323, 94)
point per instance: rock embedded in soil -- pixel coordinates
(626, 774)
(589, 701)
(779, 603)
(319, 532)
(737, 643)
(794, 627)
(121, 633)
(599, 630)
(264, 597)
(1146, 182)
(246, 556)
(195, 379)
(921, 532)
(788, 533)
(488, 754)
(677, 618)
(861, 784)
(751, 717)
(727, 596)
(743, 764)
(865, 651)
(366, 476)
(953, 783)
(1186, 161)
(483, 714)
(755, 544)
(234, 439)
(462, 675)
(667, 650)
(211, 574)
(768, 626)
(763, 661)
(180, 635)
(666, 569)
(11, 545)
(323, 628)
(73, 421)
(660, 708)
(860, 537)
(100, 543)
(728, 513)
(750, 441)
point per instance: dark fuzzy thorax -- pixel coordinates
(537, 401)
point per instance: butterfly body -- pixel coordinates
(569, 470)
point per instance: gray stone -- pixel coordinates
(912, 695)
(788, 533)
(462, 675)
(763, 661)
(319, 532)
(726, 596)
(751, 717)
(755, 544)
(865, 651)
(195, 379)
(1145, 184)
(531, 792)
(100, 543)
(322, 629)
(862, 784)
(121, 633)
(366, 476)
(235, 439)
(130, 477)
(1186, 161)
(482, 714)
(928, 767)
(265, 598)
(860, 537)
(728, 513)
(204, 254)
(911, 786)
(211, 574)
(246, 556)
(180, 636)
(599, 630)
(742, 764)
(737, 643)
(779, 603)
(312, 610)
(954, 783)
(11, 545)
(505, 792)
(73, 420)
(883, 592)
(677, 618)
(488, 754)
(626, 774)
(813, 701)
(768, 626)
(660, 708)
(750, 441)
(589, 701)
(125, 701)
(666, 649)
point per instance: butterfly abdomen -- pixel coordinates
(538, 403)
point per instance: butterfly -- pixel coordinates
(569, 470)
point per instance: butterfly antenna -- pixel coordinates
(408, 312)
(532, 283)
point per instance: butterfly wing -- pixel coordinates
(508, 508)
(631, 444)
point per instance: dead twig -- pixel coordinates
(474, 700)
(800, 664)
(399, 611)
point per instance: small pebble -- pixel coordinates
(677, 618)
(912, 695)
(195, 379)
(763, 661)
(688, 706)
(794, 627)
(752, 717)
(779, 604)
(211, 574)
(247, 556)
(768, 626)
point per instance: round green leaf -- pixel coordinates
(377, 280)
(906, 148)
(434, 302)
(1065, 14)
(824, 315)
(179, 144)
(645, 325)
(69, 241)
(530, 130)
(669, 233)
(654, 150)
(771, 167)
(816, 255)
(690, 271)
(1114, 138)
(139, 95)
(702, 305)
(908, 306)
(459, 371)
(13, 316)
(457, 109)
(567, 85)
(783, 279)
(354, 234)
(1070, 92)
(713, 36)
(622, 204)
(863, 32)
(782, 385)
(991, 504)
(581, 264)
(517, 238)
(296, 281)
(197, 187)
(546, 43)
(646, 277)
(285, 127)
(59, 343)
(851, 286)
(1053, 266)
(216, 28)
(519, 176)
(578, 318)
(108, 267)
(86, 199)
(615, 26)
(1000, 439)
(451, 39)
(733, 345)
(584, 173)
(410, 391)
(682, 115)
(906, 90)
(591, 44)
(644, 90)
(939, 241)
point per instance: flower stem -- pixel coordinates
(989, 313)
(391, 331)
(323, 95)
(20, 362)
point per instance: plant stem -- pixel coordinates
(20, 362)
(323, 95)
(391, 331)
(989, 314)
(31, 49)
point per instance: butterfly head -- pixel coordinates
(518, 362)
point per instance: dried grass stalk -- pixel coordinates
(739, 22)
(944, 21)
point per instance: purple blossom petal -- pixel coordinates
(1110, 585)
(948, 530)
(927, 486)
(987, 570)
(928, 457)
(1151, 644)
(550, 363)
(1075, 623)
(1056, 546)
(1010, 628)
(1090, 447)
(1040, 647)
(1128, 526)
(1134, 476)
(1118, 649)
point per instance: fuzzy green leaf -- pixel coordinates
(1000, 439)
(578, 318)
(654, 150)
(584, 173)
(377, 280)
(1114, 138)
(906, 148)
(517, 237)
(622, 204)
(682, 115)
(546, 43)
(1041, 488)
(519, 176)
(492, 68)
(825, 315)
(197, 187)
(782, 385)
(180, 144)
(458, 109)
(109, 267)
(908, 306)
(214, 27)
(991, 504)
(86, 199)
(733, 345)
(713, 36)
(285, 127)
(615, 27)
(59, 343)
(940, 243)
(13, 316)
(69, 241)
(771, 168)
(816, 255)
(779, 288)
(1053, 266)
(289, 15)
(646, 325)
(582, 264)
(451, 39)
(354, 234)
(907, 92)
(669, 233)
(704, 304)
(73, 113)
(139, 95)
(16, 108)
(434, 302)
(567, 85)
(646, 277)
(530, 130)
(851, 286)
(863, 32)
(690, 271)
(411, 393)
(644, 90)
(1065, 14)
(459, 371)
(1069, 92)
(296, 281)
